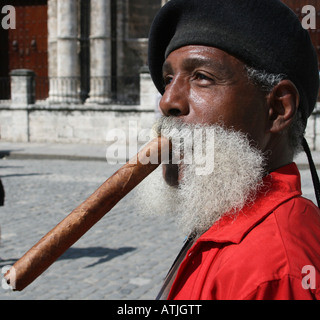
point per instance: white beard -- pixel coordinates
(201, 200)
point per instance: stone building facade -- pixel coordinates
(96, 78)
(96, 49)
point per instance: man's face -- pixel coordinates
(205, 85)
(208, 90)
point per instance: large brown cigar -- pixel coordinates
(81, 219)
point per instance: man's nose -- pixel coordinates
(174, 101)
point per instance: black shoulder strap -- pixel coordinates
(314, 174)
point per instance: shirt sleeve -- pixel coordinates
(287, 288)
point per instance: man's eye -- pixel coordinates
(201, 76)
(167, 80)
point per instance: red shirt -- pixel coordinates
(270, 250)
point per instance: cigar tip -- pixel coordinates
(10, 279)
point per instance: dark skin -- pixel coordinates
(207, 85)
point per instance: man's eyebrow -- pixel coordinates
(167, 68)
(197, 62)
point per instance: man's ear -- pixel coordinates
(283, 102)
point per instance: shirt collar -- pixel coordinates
(283, 184)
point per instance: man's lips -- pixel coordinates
(170, 174)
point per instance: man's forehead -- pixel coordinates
(193, 56)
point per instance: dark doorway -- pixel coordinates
(26, 47)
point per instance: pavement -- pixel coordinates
(125, 256)
(23, 150)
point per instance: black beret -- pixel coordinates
(264, 34)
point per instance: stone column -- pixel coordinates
(52, 48)
(67, 83)
(100, 52)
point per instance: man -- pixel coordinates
(247, 71)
